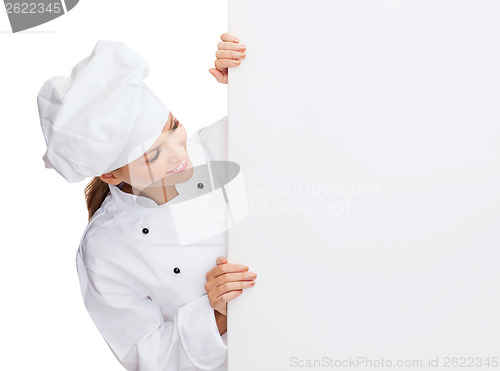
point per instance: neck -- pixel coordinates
(160, 194)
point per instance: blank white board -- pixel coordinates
(368, 135)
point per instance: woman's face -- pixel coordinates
(158, 167)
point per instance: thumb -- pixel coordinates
(219, 76)
(221, 260)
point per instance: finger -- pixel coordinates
(225, 268)
(226, 36)
(232, 286)
(229, 54)
(220, 302)
(232, 277)
(213, 283)
(230, 46)
(222, 64)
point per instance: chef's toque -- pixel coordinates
(94, 119)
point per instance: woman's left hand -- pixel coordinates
(229, 54)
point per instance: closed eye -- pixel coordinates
(156, 155)
(176, 124)
(158, 151)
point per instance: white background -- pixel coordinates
(43, 319)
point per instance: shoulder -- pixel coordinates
(213, 138)
(102, 235)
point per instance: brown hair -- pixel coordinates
(95, 193)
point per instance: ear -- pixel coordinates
(110, 179)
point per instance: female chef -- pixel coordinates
(151, 263)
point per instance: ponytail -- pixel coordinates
(95, 193)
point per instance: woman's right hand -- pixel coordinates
(227, 281)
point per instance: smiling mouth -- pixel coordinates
(179, 168)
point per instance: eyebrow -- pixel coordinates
(158, 146)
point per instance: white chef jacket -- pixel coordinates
(142, 288)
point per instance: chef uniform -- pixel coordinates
(142, 266)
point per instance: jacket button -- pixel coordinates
(200, 185)
(177, 270)
(145, 230)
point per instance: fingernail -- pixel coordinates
(243, 47)
(237, 40)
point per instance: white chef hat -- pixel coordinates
(95, 118)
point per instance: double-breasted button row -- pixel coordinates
(176, 269)
(146, 231)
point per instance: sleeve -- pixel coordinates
(140, 338)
